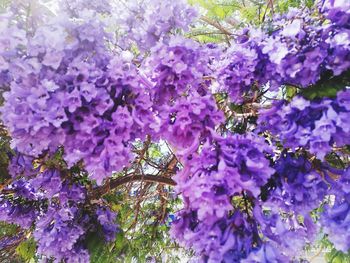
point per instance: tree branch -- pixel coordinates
(114, 183)
(217, 25)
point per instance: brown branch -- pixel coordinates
(170, 167)
(114, 183)
(138, 205)
(217, 25)
(163, 176)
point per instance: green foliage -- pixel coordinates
(334, 160)
(334, 256)
(10, 235)
(204, 35)
(3, 165)
(136, 242)
(4, 4)
(4, 150)
(26, 249)
(100, 251)
(282, 6)
(7, 229)
(234, 14)
(154, 151)
(327, 87)
(217, 9)
(290, 92)
(251, 14)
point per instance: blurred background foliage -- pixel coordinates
(219, 16)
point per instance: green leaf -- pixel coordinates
(335, 256)
(290, 92)
(327, 87)
(26, 249)
(120, 241)
(99, 250)
(217, 9)
(334, 160)
(7, 229)
(154, 151)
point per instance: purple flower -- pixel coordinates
(181, 72)
(20, 214)
(148, 22)
(226, 167)
(265, 254)
(107, 220)
(49, 182)
(316, 125)
(336, 223)
(190, 121)
(58, 235)
(300, 187)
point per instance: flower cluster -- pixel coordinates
(58, 232)
(238, 74)
(265, 254)
(298, 186)
(295, 190)
(55, 206)
(11, 39)
(13, 212)
(232, 165)
(149, 22)
(336, 224)
(298, 52)
(284, 231)
(224, 240)
(315, 125)
(70, 91)
(49, 183)
(190, 121)
(337, 11)
(178, 68)
(272, 201)
(21, 165)
(336, 218)
(107, 219)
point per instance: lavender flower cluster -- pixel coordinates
(70, 91)
(189, 122)
(58, 232)
(265, 226)
(284, 232)
(178, 68)
(149, 22)
(314, 125)
(21, 165)
(239, 69)
(55, 206)
(336, 224)
(299, 187)
(298, 52)
(336, 218)
(20, 214)
(230, 166)
(179, 90)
